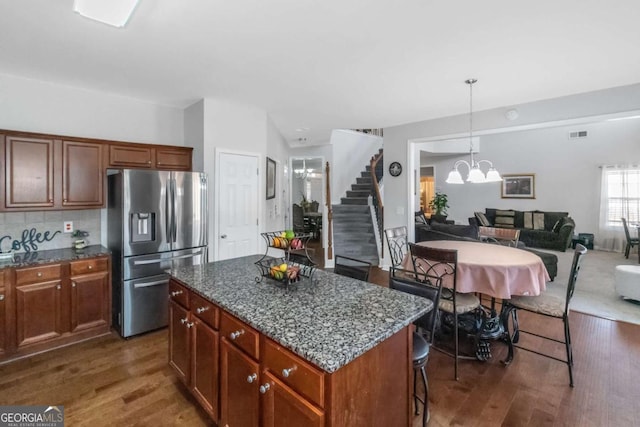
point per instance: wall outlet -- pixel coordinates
(68, 227)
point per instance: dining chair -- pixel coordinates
(398, 244)
(451, 302)
(352, 267)
(430, 287)
(503, 236)
(549, 305)
(631, 241)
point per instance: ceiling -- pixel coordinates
(319, 65)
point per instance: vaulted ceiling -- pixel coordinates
(318, 65)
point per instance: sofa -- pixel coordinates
(538, 229)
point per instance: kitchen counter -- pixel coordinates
(24, 259)
(329, 320)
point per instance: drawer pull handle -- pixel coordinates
(190, 325)
(58, 287)
(236, 334)
(288, 372)
(185, 320)
(73, 284)
(251, 378)
(91, 267)
(201, 309)
(1, 297)
(39, 274)
(264, 388)
(176, 293)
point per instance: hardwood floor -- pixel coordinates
(111, 381)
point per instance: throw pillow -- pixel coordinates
(482, 219)
(505, 219)
(528, 220)
(538, 221)
(557, 225)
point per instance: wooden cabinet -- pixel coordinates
(4, 297)
(49, 305)
(150, 157)
(282, 406)
(173, 158)
(264, 384)
(29, 172)
(50, 172)
(239, 387)
(90, 296)
(193, 345)
(124, 156)
(82, 174)
(39, 304)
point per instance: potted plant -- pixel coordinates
(439, 205)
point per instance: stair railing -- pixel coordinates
(329, 213)
(376, 176)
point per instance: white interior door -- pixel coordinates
(237, 205)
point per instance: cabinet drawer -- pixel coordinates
(293, 371)
(86, 266)
(179, 294)
(40, 273)
(204, 309)
(239, 333)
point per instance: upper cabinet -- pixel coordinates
(150, 157)
(29, 172)
(47, 172)
(83, 174)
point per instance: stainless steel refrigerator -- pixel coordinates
(156, 220)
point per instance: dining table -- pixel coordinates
(495, 270)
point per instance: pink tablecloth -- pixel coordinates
(494, 270)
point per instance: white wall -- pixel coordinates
(519, 157)
(567, 173)
(194, 133)
(36, 106)
(276, 210)
(352, 152)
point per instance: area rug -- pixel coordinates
(595, 292)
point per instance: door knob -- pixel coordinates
(224, 236)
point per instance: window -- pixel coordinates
(621, 195)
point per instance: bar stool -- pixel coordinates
(420, 358)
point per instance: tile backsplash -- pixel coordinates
(14, 224)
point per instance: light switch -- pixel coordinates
(68, 227)
(400, 210)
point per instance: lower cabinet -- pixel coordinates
(193, 346)
(3, 315)
(40, 301)
(239, 387)
(262, 384)
(49, 306)
(292, 409)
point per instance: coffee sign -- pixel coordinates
(27, 242)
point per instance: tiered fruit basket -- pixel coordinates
(291, 243)
(283, 271)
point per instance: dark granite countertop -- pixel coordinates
(24, 259)
(328, 321)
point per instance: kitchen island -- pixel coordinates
(327, 351)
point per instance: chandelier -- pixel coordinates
(475, 173)
(304, 172)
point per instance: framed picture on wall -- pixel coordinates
(521, 186)
(271, 178)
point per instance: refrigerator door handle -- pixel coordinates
(167, 203)
(174, 230)
(159, 260)
(148, 284)
(203, 211)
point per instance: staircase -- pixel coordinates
(353, 234)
